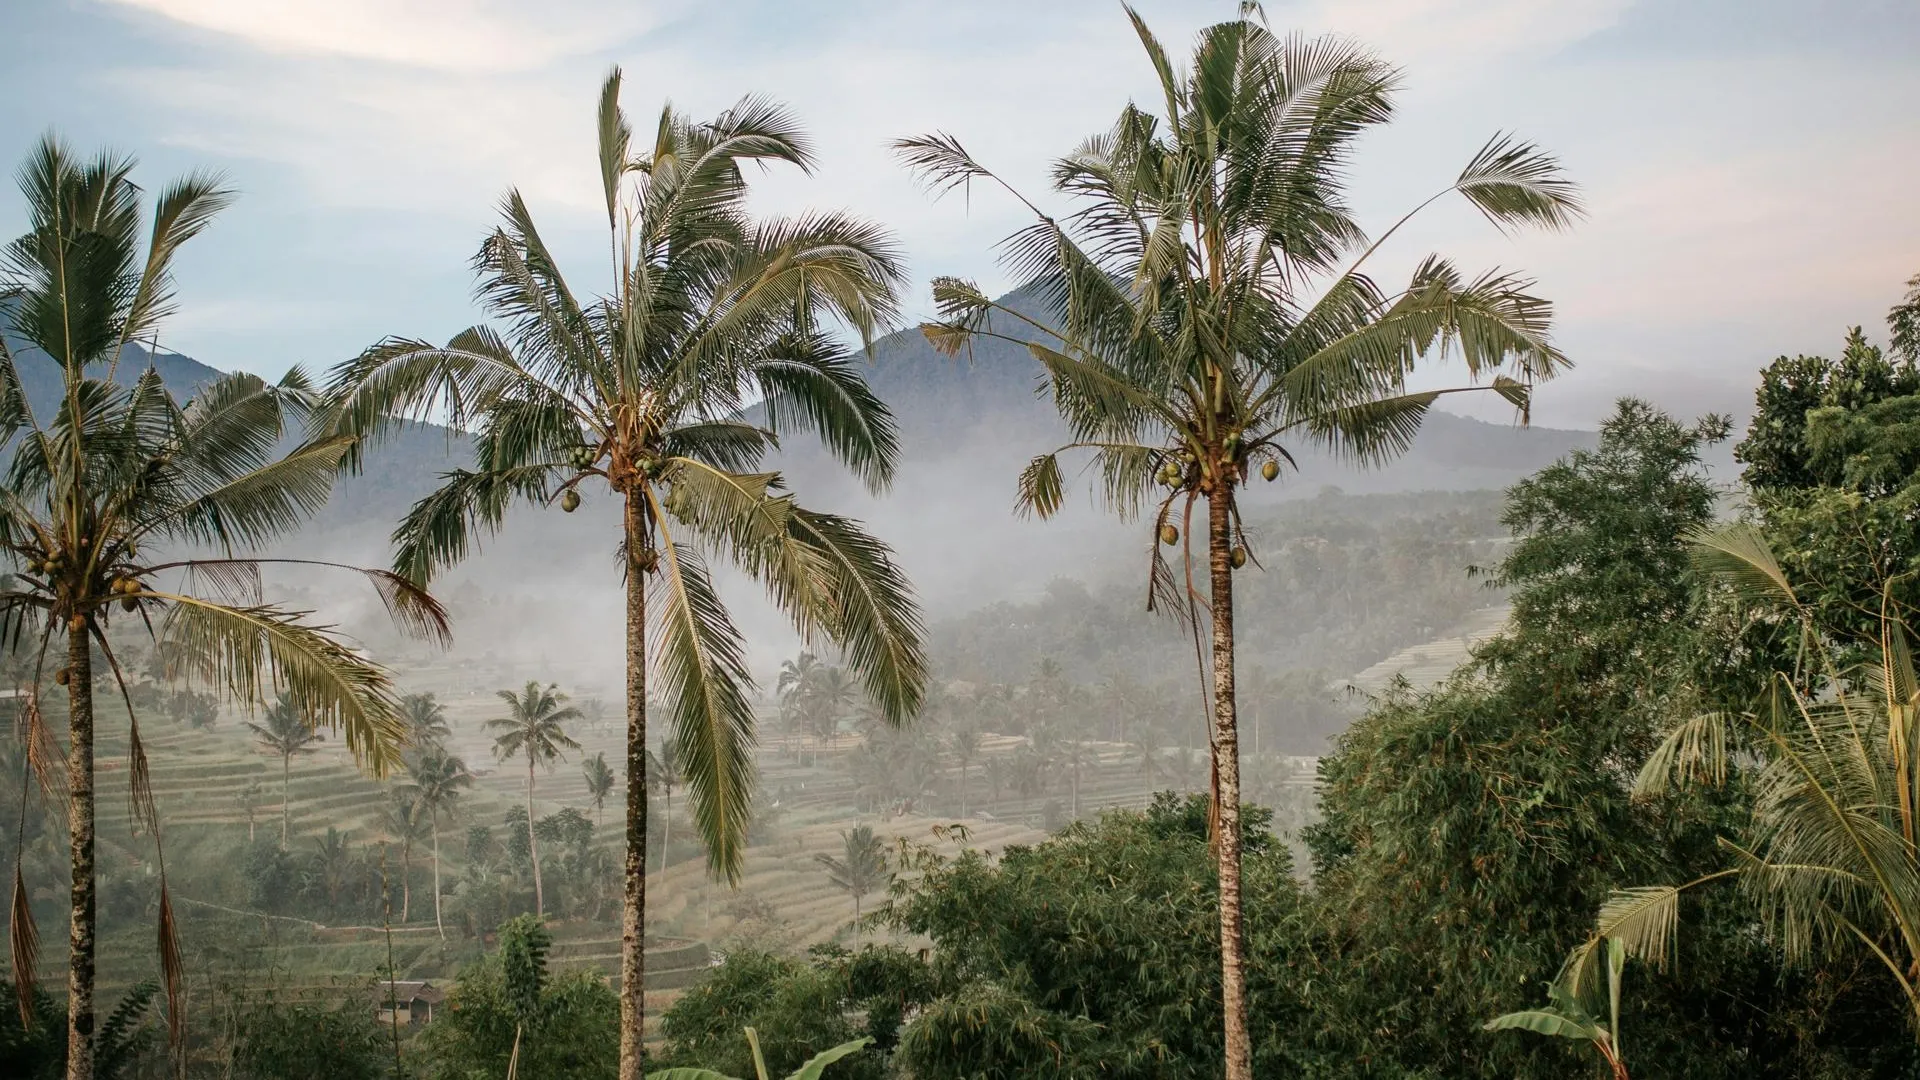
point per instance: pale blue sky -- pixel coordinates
(1750, 165)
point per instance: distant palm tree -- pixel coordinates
(643, 394)
(249, 800)
(965, 743)
(599, 781)
(287, 733)
(669, 763)
(406, 820)
(861, 869)
(334, 860)
(828, 699)
(533, 729)
(437, 779)
(426, 721)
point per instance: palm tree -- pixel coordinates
(437, 780)
(1208, 304)
(828, 697)
(405, 820)
(249, 801)
(533, 729)
(118, 468)
(599, 778)
(861, 868)
(669, 765)
(426, 721)
(965, 743)
(1832, 853)
(286, 733)
(644, 390)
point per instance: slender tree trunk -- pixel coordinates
(1226, 791)
(406, 878)
(633, 1001)
(80, 933)
(437, 924)
(533, 845)
(666, 828)
(963, 788)
(286, 787)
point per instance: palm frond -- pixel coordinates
(1739, 556)
(704, 679)
(1695, 752)
(1041, 491)
(246, 651)
(875, 618)
(1516, 183)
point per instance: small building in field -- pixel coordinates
(406, 1001)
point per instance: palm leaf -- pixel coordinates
(703, 679)
(244, 651)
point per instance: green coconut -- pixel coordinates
(570, 500)
(1169, 535)
(1239, 557)
(1270, 471)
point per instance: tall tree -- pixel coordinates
(965, 744)
(1208, 304)
(860, 868)
(119, 472)
(534, 728)
(426, 722)
(437, 779)
(406, 819)
(645, 390)
(283, 731)
(669, 766)
(600, 781)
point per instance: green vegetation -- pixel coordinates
(1659, 817)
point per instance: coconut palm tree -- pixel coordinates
(599, 777)
(426, 721)
(283, 731)
(436, 780)
(1208, 304)
(668, 765)
(119, 501)
(829, 696)
(644, 393)
(249, 802)
(861, 867)
(405, 819)
(534, 729)
(965, 744)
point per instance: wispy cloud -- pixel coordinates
(449, 35)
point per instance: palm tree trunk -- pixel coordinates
(1226, 788)
(533, 845)
(80, 934)
(286, 787)
(666, 829)
(437, 924)
(633, 1002)
(406, 878)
